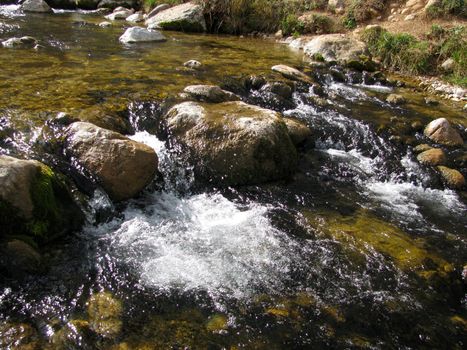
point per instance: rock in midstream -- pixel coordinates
(234, 143)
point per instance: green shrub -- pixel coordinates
(448, 7)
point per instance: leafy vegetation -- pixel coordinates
(405, 53)
(448, 7)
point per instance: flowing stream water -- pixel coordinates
(362, 249)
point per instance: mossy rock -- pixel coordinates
(35, 201)
(18, 336)
(105, 313)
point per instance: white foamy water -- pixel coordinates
(202, 243)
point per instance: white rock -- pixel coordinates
(138, 34)
(136, 17)
(193, 64)
(105, 24)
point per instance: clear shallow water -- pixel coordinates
(360, 250)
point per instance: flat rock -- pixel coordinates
(210, 93)
(433, 157)
(292, 73)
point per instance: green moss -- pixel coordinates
(365, 231)
(46, 210)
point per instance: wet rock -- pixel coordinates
(433, 157)
(35, 6)
(157, 9)
(105, 311)
(113, 4)
(217, 323)
(19, 258)
(23, 42)
(255, 82)
(448, 65)
(298, 131)
(124, 167)
(138, 34)
(278, 88)
(422, 148)
(234, 143)
(336, 47)
(135, 18)
(441, 131)
(416, 126)
(396, 99)
(105, 118)
(72, 334)
(18, 336)
(292, 73)
(209, 93)
(34, 201)
(193, 64)
(451, 177)
(188, 17)
(87, 4)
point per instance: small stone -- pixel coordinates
(409, 17)
(433, 157)
(193, 64)
(136, 17)
(430, 101)
(453, 178)
(24, 41)
(292, 73)
(395, 99)
(105, 24)
(138, 34)
(448, 65)
(417, 126)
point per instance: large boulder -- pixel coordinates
(336, 47)
(34, 201)
(209, 93)
(441, 131)
(157, 9)
(187, 17)
(234, 143)
(433, 157)
(138, 34)
(124, 167)
(451, 177)
(35, 6)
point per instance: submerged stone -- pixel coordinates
(24, 41)
(123, 166)
(292, 73)
(298, 131)
(234, 143)
(18, 336)
(193, 64)
(19, 258)
(105, 311)
(395, 99)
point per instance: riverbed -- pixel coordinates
(362, 249)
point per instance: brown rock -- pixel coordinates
(453, 178)
(433, 157)
(123, 166)
(298, 131)
(442, 132)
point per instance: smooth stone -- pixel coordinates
(292, 73)
(124, 167)
(138, 34)
(188, 17)
(448, 65)
(193, 64)
(119, 15)
(36, 6)
(441, 131)
(105, 24)
(298, 131)
(136, 17)
(422, 148)
(157, 9)
(210, 93)
(336, 47)
(453, 178)
(433, 157)
(19, 258)
(24, 41)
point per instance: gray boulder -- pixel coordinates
(336, 47)
(138, 34)
(35, 6)
(234, 143)
(136, 17)
(124, 167)
(186, 17)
